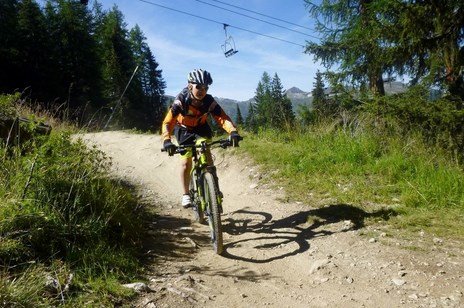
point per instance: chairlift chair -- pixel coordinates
(229, 45)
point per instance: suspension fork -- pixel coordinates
(200, 164)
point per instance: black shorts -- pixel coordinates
(189, 136)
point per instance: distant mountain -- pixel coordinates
(394, 87)
(230, 107)
(295, 91)
(299, 97)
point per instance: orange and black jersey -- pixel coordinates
(183, 113)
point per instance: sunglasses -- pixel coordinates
(201, 87)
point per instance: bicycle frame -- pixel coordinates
(204, 190)
(199, 164)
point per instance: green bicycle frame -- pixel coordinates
(200, 162)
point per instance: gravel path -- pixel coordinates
(278, 253)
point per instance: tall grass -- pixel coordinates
(368, 170)
(61, 214)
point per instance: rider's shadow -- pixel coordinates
(299, 228)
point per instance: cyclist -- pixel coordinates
(187, 118)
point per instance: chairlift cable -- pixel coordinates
(269, 36)
(221, 23)
(262, 20)
(257, 13)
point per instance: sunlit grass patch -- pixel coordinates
(368, 171)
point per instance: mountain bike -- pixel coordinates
(204, 189)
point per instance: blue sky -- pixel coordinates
(181, 43)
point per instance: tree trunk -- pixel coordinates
(376, 84)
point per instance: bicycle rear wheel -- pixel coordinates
(199, 215)
(213, 212)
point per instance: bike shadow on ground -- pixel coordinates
(295, 230)
(166, 241)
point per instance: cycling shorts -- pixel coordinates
(195, 135)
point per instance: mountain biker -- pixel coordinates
(187, 118)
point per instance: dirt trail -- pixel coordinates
(274, 255)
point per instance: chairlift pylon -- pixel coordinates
(229, 45)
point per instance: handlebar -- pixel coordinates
(223, 143)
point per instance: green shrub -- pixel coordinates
(7, 105)
(62, 200)
(59, 204)
(440, 121)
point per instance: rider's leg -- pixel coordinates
(185, 179)
(184, 136)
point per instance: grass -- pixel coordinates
(63, 219)
(324, 164)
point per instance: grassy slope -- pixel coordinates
(64, 221)
(416, 185)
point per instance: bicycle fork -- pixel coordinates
(212, 171)
(201, 191)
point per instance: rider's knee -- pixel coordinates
(186, 164)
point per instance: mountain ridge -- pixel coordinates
(295, 94)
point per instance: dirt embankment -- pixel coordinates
(274, 255)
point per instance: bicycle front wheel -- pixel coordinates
(213, 212)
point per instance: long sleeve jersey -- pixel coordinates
(183, 113)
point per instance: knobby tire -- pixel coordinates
(214, 215)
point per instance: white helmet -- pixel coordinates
(199, 76)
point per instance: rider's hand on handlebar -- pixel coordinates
(169, 147)
(234, 138)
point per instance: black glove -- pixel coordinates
(169, 147)
(234, 138)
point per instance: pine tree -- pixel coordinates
(428, 41)
(75, 66)
(282, 113)
(239, 119)
(9, 45)
(263, 101)
(366, 39)
(351, 41)
(80, 61)
(119, 65)
(151, 107)
(156, 93)
(33, 49)
(250, 121)
(319, 98)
